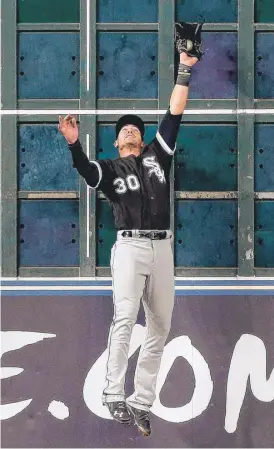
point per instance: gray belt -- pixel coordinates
(153, 235)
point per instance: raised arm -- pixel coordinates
(188, 45)
(170, 125)
(180, 91)
(89, 170)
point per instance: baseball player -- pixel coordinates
(136, 186)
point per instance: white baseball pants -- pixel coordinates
(141, 269)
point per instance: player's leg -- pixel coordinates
(158, 305)
(129, 264)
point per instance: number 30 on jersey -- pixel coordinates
(131, 182)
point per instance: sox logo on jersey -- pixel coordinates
(154, 168)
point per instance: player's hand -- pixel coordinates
(188, 60)
(68, 127)
(188, 42)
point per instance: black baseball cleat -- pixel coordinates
(141, 420)
(119, 411)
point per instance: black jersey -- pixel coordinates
(136, 187)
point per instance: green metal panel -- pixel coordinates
(206, 233)
(264, 66)
(127, 11)
(206, 158)
(106, 233)
(127, 65)
(264, 11)
(220, 61)
(264, 234)
(44, 160)
(48, 233)
(208, 11)
(48, 65)
(264, 158)
(48, 11)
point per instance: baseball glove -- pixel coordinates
(188, 39)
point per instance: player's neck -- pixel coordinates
(129, 151)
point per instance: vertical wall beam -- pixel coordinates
(8, 141)
(87, 207)
(166, 15)
(246, 139)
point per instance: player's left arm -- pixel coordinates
(170, 125)
(188, 45)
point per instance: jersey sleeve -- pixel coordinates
(168, 132)
(96, 173)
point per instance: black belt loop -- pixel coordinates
(127, 234)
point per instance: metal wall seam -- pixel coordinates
(87, 206)
(246, 139)
(9, 139)
(166, 15)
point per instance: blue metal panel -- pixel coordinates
(127, 65)
(206, 158)
(264, 76)
(48, 65)
(206, 233)
(127, 11)
(48, 233)
(106, 233)
(216, 74)
(264, 158)
(44, 160)
(264, 234)
(208, 11)
(106, 138)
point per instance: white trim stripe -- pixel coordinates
(108, 278)
(88, 202)
(164, 144)
(109, 287)
(100, 173)
(135, 111)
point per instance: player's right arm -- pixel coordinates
(92, 171)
